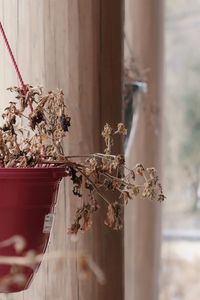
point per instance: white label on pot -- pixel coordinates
(48, 221)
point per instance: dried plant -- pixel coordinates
(31, 136)
(30, 259)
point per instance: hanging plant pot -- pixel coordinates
(28, 194)
(28, 198)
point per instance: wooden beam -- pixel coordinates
(97, 90)
(144, 32)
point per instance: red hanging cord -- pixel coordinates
(13, 59)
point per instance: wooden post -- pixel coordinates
(144, 32)
(96, 90)
(77, 46)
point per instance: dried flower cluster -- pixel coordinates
(103, 176)
(33, 128)
(31, 136)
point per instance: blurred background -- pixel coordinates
(181, 157)
(175, 33)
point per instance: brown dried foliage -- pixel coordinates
(38, 143)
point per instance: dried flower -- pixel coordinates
(136, 190)
(161, 197)
(126, 196)
(107, 135)
(121, 129)
(152, 172)
(139, 169)
(83, 218)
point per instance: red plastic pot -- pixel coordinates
(27, 198)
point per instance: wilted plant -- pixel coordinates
(33, 129)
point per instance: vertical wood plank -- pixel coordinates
(111, 57)
(143, 219)
(31, 60)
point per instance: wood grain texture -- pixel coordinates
(69, 44)
(144, 30)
